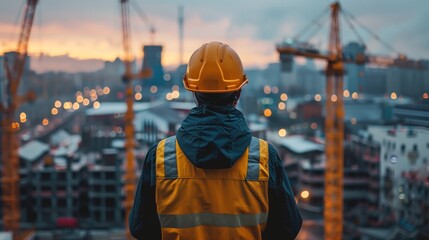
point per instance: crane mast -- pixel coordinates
(334, 132)
(130, 178)
(10, 143)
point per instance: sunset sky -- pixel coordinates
(90, 29)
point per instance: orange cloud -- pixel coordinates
(103, 40)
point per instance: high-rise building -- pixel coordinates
(152, 60)
(354, 72)
(403, 160)
(402, 77)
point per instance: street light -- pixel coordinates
(303, 195)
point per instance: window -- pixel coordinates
(46, 203)
(62, 202)
(110, 175)
(110, 188)
(61, 176)
(111, 202)
(46, 176)
(403, 148)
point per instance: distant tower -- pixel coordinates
(180, 19)
(152, 60)
(355, 73)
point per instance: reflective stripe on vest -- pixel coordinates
(231, 202)
(212, 219)
(253, 162)
(170, 162)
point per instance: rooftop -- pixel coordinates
(33, 150)
(110, 108)
(299, 144)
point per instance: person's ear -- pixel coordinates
(195, 99)
(236, 97)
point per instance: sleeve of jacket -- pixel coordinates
(284, 218)
(143, 218)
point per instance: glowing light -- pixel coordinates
(15, 125)
(282, 132)
(283, 97)
(67, 105)
(314, 125)
(393, 96)
(78, 93)
(275, 90)
(305, 194)
(353, 121)
(85, 101)
(402, 196)
(334, 98)
(267, 89)
(96, 105)
(355, 95)
(76, 106)
(346, 93)
(138, 88)
(175, 88)
(425, 95)
(45, 122)
(153, 89)
(99, 91)
(267, 112)
(282, 105)
(57, 104)
(317, 97)
(22, 115)
(93, 92)
(167, 77)
(175, 94)
(94, 97)
(393, 159)
(169, 96)
(23, 120)
(54, 111)
(106, 90)
(79, 99)
(138, 96)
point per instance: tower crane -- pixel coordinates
(130, 178)
(9, 142)
(334, 105)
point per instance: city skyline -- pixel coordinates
(253, 29)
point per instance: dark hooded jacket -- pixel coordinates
(216, 137)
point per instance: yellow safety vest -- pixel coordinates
(204, 204)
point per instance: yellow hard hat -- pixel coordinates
(214, 68)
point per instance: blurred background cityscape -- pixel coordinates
(70, 112)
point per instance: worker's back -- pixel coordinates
(197, 203)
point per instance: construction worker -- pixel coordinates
(213, 180)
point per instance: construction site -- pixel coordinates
(350, 126)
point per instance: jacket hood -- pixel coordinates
(214, 137)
